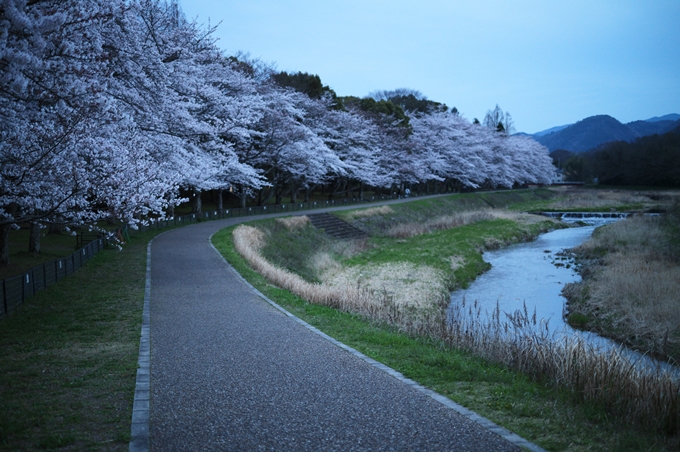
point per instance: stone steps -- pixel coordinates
(335, 227)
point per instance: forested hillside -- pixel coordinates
(649, 161)
(108, 108)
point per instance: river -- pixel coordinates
(534, 274)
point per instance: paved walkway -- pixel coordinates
(229, 371)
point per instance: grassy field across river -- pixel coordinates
(631, 284)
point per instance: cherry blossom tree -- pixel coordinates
(358, 142)
(64, 120)
(471, 155)
(109, 107)
(51, 59)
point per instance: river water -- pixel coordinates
(531, 273)
(534, 274)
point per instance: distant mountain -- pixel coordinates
(586, 134)
(550, 130)
(671, 117)
(596, 130)
(644, 128)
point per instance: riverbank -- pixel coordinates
(396, 249)
(630, 286)
(405, 271)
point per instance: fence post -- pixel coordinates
(4, 297)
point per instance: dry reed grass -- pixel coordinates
(406, 230)
(593, 199)
(646, 395)
(632, 282)
(352, 297)
(404, 283)
(456, 262)
(370, 212)
(294, 223)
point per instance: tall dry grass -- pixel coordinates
(372, 304)
(464, 218)
(370, 212)
(646, 395)
(631, 285)
(294, 223)
(576, 198)
(404, 283)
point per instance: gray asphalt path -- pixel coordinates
(231, 372)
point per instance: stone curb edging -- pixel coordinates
(139, 430)
(480, 420)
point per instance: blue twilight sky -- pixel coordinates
(547, 62)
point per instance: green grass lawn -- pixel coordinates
(53, 246)
(69, 357)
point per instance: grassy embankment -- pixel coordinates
(544, 412)
(631, 282)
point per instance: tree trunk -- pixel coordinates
(243, 198)
(278, 194)
(268, 196)
(308, 193)
(34, 238)
(220, 200)
(196, 204)
(4, 244)
(334, 187)
(55, 227)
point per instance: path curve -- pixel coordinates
(229, 371)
